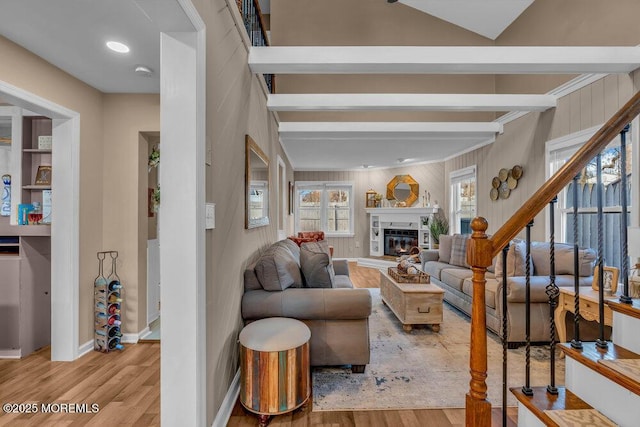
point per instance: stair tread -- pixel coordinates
(632, 310)
(591, 354)
(542, 401)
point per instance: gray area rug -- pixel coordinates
(423, 369)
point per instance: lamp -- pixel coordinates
(633, 248)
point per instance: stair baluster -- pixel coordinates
(526, 389)
(623, 217)
(505, 345)
(575, 342)
(552, 293)
(600, 342)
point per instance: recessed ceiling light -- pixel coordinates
(118, 47)
(143, 70)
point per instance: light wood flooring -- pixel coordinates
(126, 386)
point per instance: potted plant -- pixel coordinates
(438, 226)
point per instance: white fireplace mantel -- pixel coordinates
(401, 214)
(398, 218)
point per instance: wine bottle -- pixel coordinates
(115, 332)
(113, 298)
(114, 285)
(114, 322)
(114, 344)
(114, 309)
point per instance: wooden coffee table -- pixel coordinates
(413, 303)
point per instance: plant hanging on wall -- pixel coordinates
(154, 157)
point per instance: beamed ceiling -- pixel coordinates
(360, 124)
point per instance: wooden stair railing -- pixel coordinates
(481, 250)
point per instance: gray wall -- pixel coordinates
(236, 105)
(523, 142)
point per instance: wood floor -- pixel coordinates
(126, 387)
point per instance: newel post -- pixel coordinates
(479, 250)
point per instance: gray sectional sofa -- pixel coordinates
(448, 269)
(305, 284)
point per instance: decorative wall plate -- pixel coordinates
(504, 190)
(516, 172)
(506, 181)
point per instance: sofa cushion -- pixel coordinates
(251, 281)
(434, 268)
(315, 262)
(567, 281)
(342, 282)
(455, 276)
(277, 269)
(444, 248)
(564, 259)
(516, 260)
(459, 250)
(490, 290)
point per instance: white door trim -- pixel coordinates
(183, 367)
(65, 227)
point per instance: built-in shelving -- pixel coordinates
(398, 218)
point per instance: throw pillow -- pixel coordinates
(516, 260)
(444, 248)
(277, 269)
(316, 265)
(459, 250)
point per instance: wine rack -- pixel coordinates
(108, 293)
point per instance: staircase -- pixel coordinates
(602, 378)
(602, 386)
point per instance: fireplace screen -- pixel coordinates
(399, 242)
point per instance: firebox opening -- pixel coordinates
(399, 242)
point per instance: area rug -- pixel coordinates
(423, 369)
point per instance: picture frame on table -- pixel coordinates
(43, 176)
(611, 275)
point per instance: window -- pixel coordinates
(324, 206)
(463, 199)
(559, 154)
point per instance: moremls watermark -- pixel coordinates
(51, 408)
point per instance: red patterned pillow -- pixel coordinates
(300, 240)
(316, 235)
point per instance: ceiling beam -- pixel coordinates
(409, 102)
(443, 59)
(377, 130)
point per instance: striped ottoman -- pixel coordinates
(274, 366)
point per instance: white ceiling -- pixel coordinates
(489, 18)
(71, 34)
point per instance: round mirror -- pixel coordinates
(403, 188)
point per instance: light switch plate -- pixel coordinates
(210, 216)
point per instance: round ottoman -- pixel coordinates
(274, 366)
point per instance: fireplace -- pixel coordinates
(399, 242)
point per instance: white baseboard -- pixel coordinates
(10, 354)
(133, 338)
(224, 413)
(85, 348)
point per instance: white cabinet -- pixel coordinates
(376, 244)
(381, 219)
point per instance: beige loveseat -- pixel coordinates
(448, 269)
(278, 285)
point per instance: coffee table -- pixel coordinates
(413, 303)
